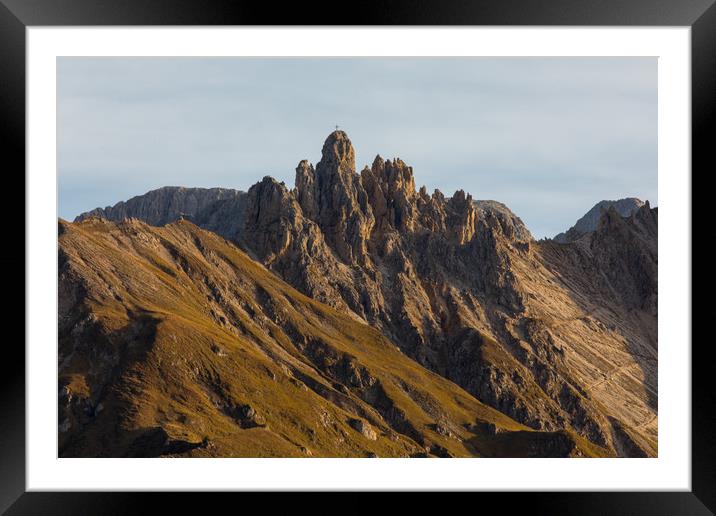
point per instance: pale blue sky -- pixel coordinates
(549, 137)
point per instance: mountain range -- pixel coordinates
(354, 315)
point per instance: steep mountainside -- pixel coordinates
(595, 301)
(556, 336)
(173, 342)
(589, 221)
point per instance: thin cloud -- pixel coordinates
(547, 136)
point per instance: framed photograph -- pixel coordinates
(299, 251)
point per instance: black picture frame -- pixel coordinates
(17, 15)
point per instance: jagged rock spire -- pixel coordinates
(334, 198)
(270, 212)
(337, 153)
(306, 189)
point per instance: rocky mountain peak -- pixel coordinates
(627, 249)
(378, 164)
(461, 217)
(337, 153)
(332, 196)
(304, 164)
(590, 220)
(510, 224)
(400, 176)
(460, 198)
(271, 213)
(642, 221)
(390, 188)
(268, 185)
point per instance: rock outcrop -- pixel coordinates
(625, 249)
(510, 224)
(363, 428)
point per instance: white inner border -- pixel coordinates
(671, 470)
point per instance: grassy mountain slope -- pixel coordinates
(172, 341)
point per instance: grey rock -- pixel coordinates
(510, 224)
(168, 204)
(626, 251)
(589, 221)
(363, 428)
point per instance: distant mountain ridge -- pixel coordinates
(164, 205)
(217, 209)
(558, 337)
(589, 221)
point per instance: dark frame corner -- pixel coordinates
(17, 15)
